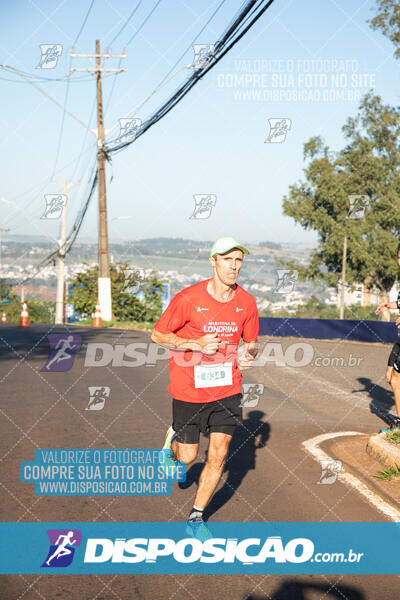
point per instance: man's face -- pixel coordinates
(227, 266)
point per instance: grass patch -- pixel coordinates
(388, 473)
(393, 436)
(136, 325)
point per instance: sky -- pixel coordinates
(306, 64)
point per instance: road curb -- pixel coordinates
(384, 451)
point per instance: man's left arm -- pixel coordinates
(249, 334)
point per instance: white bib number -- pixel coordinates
(212, 375)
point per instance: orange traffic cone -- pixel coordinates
(4, 318)
(24, 320)
(97, 322)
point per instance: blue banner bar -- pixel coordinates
(215, 548)
(330, 329)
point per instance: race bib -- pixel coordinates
(212, 375)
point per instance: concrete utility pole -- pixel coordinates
(2, 230)
(104, 282)
(60, 298)
(343, 278)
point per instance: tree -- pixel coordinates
(367, 171)
(133, 298)
(388, 21)
(39, 311)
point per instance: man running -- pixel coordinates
(203, 326)
(393, 368)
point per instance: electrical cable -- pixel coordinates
(125, 24)
(239, 28)
(60, 136)
(143, 23)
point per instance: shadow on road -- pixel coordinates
(299, 590)
(32, 342)
(381, 399)
(247, 439)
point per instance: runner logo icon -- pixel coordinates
(330, 470)
(62, 547)
(98, 396)
(200, 309)
(251, 394)
(62, 351)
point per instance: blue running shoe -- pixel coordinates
(394, 426)
(196, 528)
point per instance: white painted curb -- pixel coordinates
(312, 447)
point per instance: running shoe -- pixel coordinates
(167, 463)
(169, 436)
(394, 426)
(196, 528)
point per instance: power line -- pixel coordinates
(167, 77)
(235, 31)
(246, 18)
(196, 38)
(126, 23)
(143, 23)
(60, 135)
(120, 60)
(45, 94)
(83, 24)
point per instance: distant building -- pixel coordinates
(362, 295)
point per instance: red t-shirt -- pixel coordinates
(193, 312)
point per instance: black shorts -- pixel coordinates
(394, 358)
(191, 418)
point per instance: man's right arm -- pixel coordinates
(208, 344)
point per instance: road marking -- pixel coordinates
(312, 447)
(328, 387)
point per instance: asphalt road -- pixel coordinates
(271, 477)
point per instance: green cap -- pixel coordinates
(225, 244)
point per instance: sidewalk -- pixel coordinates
(364, 465)
(386, 452)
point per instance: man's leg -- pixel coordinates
(395, 383)
(184, 452)
(212, 471)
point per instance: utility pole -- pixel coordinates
(104, 282)
(343, 278)
(2, 230)
(60, 298)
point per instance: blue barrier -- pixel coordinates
(330, 329)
